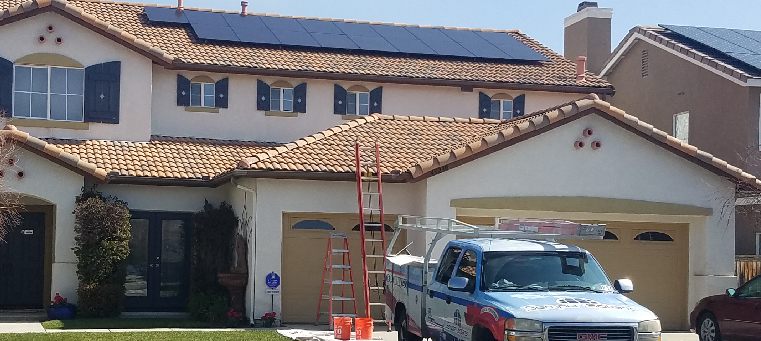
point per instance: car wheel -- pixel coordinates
(402, 330)
(708, 328)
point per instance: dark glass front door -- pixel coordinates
(158, 265)
(22, 263)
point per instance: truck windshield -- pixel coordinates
(541, 271)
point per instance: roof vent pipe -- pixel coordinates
(243, 6)
(581, 68)
(179, 5)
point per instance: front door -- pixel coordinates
(158, 266)
(22, 263)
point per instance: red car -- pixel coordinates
(735, 315)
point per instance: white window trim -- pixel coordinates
(502, 108)
(47, 118)
(674, 127)
(356, 102)
(214, 101)
(280, 102)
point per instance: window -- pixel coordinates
(750, 289)
(502, 109)
(202, 95)
(281, 99)
(758, 243)
(467, 269)
(313, 225)
(682, 126)
(610, 236)
(446, 267)
(49, 92)
(358, 103)
(652, 236)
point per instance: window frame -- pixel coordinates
(48, 93)
(472, 282)
(281, 98)
(440, 274)
(758, 243)
(203, 95)
(357, 104)
(502, 103)
(675, 126)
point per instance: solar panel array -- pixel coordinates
(233, 27)
(743, 45)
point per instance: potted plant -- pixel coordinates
(235, 319)
(269, 319)
(61, 309)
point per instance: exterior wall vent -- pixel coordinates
(645, 63)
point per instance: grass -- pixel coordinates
(123, 323)
(150, 336)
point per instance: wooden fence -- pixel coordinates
(747, 267)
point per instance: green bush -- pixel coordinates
(103, 232)
(211, 306)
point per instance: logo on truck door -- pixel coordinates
(591, 336)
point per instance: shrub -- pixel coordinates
(103, 232)
(209, 306)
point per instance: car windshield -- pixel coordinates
(542, 271)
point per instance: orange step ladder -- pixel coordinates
(341, 266)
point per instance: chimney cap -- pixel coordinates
(586, 4)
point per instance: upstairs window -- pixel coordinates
(281, 97)
(358, 103)
(682, 126)
(501, 106)
(202, 94)
(48, 92)
(357, 100)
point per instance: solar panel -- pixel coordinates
(215, 32)
(448, 48)
(739, 44)
(256, 36)
(388, 31)
(484, 49)
(735, 42)
(319, 26)
(373, 43)
(511, 46)
(461, 36)
(338, 41)
(205, 18)
(755, 43)
(355, 29)
(428, 34)
(293, 38)
(250, 22)
(167, 15)
(282, 24)
(413, 45)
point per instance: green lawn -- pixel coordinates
(150, 336)
(123, 323)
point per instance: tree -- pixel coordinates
(9, 201)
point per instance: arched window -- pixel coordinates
(357, 100)
(610, 236)
(502, 106)
(281, 96)
(202, 90)
(374, 228)
(653, 236)
(313, 225)
(48, 86)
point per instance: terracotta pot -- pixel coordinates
(236, 286)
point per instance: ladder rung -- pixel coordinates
(377, 288)
(376, 272)
(371, 209)
(370, 193)
(374, 240)
(339, 315)
(338, 298)
(338, 235)
(375, 256)
(372, 224)
(367, 148)
(376, 304)
(368, 163)
(337, 282)
(339, 250)
(341, 267)
(369, 178)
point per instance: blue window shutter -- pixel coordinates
(339, 100)
(519, 104)
(300, 98)
(220, 91)
(484, 105)
(102, 92)
(6, 86)
(183, 91)
(262, 96)
(376, 100)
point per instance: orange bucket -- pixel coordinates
(364, 328)
(342, 328)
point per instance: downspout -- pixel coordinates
(252, 243)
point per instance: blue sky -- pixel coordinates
(540, 19)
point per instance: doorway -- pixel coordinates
(158, 266)
(22, 263)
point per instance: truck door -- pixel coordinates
(437, 303)
(466, 268)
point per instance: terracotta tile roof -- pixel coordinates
(700, 53)
(177, 46)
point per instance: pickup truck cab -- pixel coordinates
(512, 289)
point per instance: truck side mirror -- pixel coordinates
(457, 283)
(624, 285)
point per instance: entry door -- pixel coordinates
(22, 260)
(158, 266)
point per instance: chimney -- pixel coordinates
(587, 33)
(581, 68)
(243, 7)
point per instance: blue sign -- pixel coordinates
(272, 280)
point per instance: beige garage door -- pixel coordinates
(305, 238)
(654, 256)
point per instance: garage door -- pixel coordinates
(654, 256)
(305, 238)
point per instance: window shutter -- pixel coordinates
(262, 96)
(376, 100)
(300, 98)
(339, 100)
(484, 105)
(519, 104)
(6, 86)
(183, 91)
(102, 92)
(220, 91)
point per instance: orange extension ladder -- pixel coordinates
(342, 266)
(370, 198)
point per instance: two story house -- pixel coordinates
(165, 107)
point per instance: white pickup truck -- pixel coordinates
(502, 288)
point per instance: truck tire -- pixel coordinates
(480, 333)
(403, 332)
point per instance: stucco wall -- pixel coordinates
(626, 167)
(242, 121)
(48, 182)
(87, 48)
(165, 198)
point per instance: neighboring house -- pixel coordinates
(166, 109)
(702, 85)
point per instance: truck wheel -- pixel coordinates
(403, 332)
(708, 328)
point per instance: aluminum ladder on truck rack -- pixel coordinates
(342, 267)
(370, 200)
